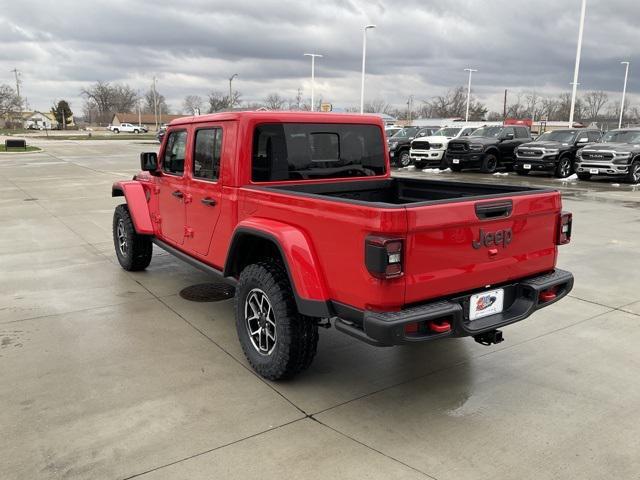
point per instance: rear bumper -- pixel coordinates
(521, 299)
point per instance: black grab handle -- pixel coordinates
(486, 211)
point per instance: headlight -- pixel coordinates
(622, 154)
(579, 153)
(476, 147)
(551, 151)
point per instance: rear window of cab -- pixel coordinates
(294, 151)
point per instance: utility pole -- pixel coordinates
(155, 103)
(231, 91)
(577, 66)
(504, 107)
(409, 108)
(16, 72)
(624, 91)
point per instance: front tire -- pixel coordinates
(277, 341)
(115, 130)
(133, 251)
(136, 131)
(489, 163)
(404, 159)
(564, 168)
(633, 177)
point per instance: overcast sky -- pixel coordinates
(419, 47)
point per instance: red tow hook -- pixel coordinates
(547, 295)
(439, 326)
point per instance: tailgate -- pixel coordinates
(460, 246)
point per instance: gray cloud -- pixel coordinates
(419, 47)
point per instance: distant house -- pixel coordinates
(43, 120)
(146, 119)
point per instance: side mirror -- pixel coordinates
(411, 138)
(149, 161)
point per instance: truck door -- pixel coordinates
(508, 143)
(172, 192)
(205, 189)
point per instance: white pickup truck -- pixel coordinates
(128, 128)
(429, 151)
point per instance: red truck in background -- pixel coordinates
(299, 212)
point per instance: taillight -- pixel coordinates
(383, 256)
(564, 228)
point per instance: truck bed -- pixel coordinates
(405, 191)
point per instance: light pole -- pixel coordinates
(470, 70)
(577, 67)
(230, 91)
(364, 56)
(624, 91)
(313, 76)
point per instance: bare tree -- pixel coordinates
(274, 101)
(9, 101)
(217, 102)
(108, 99)
(162, 108)
(517, 109)
(594, 103)
(453, 104)
(377, 105)
(549, 108)
(234, 100)
(192, 104)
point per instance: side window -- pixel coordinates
(521, 132)
(507, 131)
(466, 132)
(173, 159)
(594, 136)
(206, 153)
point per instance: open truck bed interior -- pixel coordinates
(404, 191)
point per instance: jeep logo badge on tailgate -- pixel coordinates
(501, 237)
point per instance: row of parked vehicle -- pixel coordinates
(583, 151)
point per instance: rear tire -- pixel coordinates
(584, 176)
(489, 163)
(277, 341)
(564, 167)
(136, 131)
(115, 130)
(633, 177)
(134, 251)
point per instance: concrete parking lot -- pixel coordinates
(109, 374)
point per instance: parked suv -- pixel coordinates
(488, 148)
(617, 156)
(400, 143)
(299, 212)
(553, 152)
(429, 151)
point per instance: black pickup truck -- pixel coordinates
(618, 156)
(554, 152)
(488, 148)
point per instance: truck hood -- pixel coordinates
(442, 140)
(546, 144)
(480, 140)
(617, 147)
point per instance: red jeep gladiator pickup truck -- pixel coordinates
(299, 212)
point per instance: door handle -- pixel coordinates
(177, 194)
(209, 201)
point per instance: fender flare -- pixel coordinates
(300, 262)
(136, 198)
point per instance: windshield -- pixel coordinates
(487, 132)
(407, 132)
(622, 136)
(562, 136)
(297, 151)
(447, 132)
